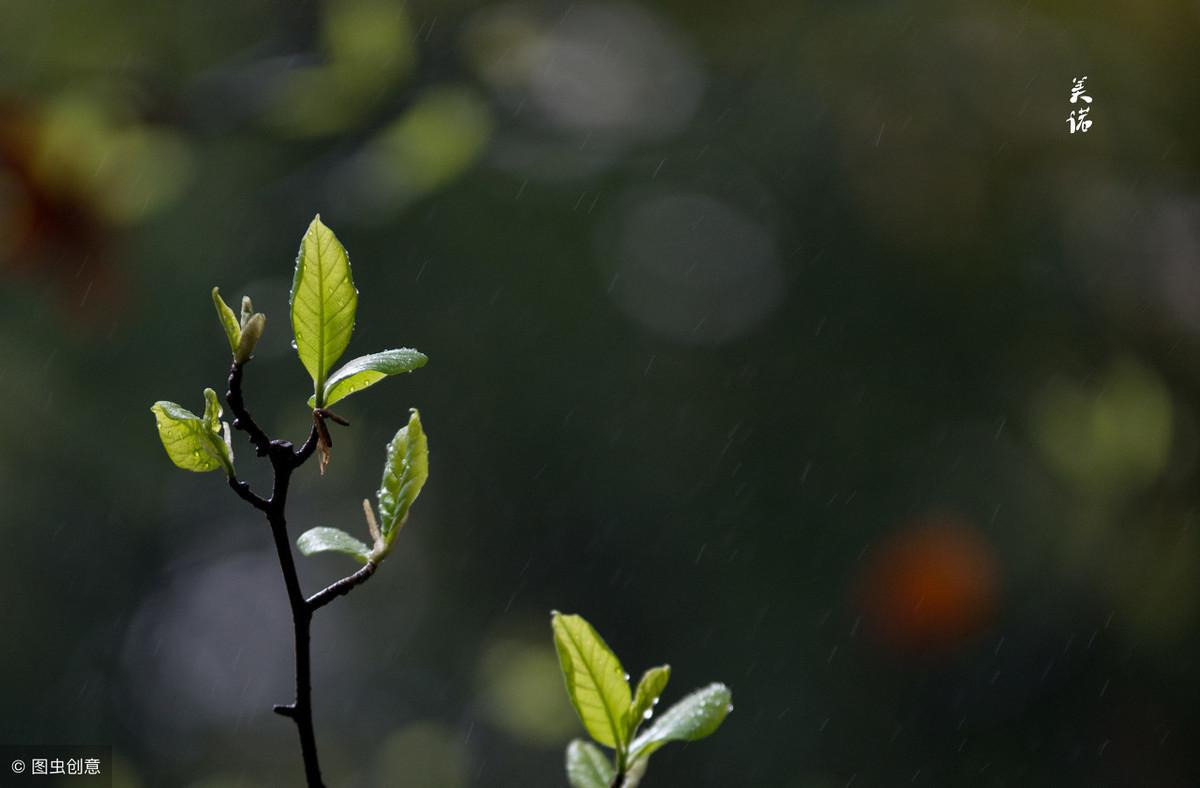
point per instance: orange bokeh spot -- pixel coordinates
(52, 231)
(930, 585)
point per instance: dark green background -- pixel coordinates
(720, 300)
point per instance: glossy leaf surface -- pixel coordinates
(323, 303)
(596, 682)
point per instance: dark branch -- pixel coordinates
(246, 494)
(284, 459)
(340, 588)
(242, 420)
(304, 452)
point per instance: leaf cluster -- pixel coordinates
(613, 715)
(323, 305)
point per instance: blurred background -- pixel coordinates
(798, 345)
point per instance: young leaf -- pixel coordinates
(587, 766)
(404, 475)
(323, 303)
(212, 411)
(692, 718)
(229, 321)
(365, 371)
(252, 331)
(653, 682)
(326, 540)
(595, 680)
(194, 443)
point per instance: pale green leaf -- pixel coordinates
(653, 682)
(212, 411)
(596, 682)
(229, 321)
(587, 766)
(404, 475)
(252, 330)
(365, 371)
(194, 443)
(326, 540)
(323, 303)
(692, 718)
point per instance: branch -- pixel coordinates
(304, 452)
(246, 494)
(242, 420)
(283, 461)
(340, 588)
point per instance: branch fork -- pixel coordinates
(285, 459)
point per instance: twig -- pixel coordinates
(246, 494)
(242, 420)
(340, 588)
(305, 451)
(284, 459)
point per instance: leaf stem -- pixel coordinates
(284, 460)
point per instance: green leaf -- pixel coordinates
(596, 682)
(212, 411)
(323, 303)
(587, 766)
(404, 475)
(229, 321)
(252, 330)
(195, 443)
(692, 718)
(327, 540)
(653, 682)
(365, 371)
